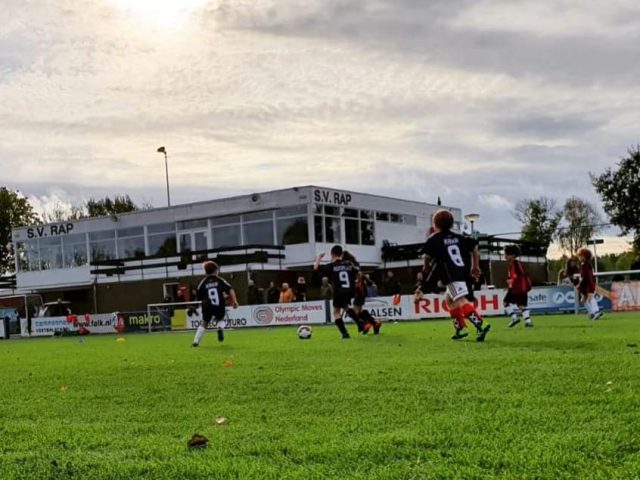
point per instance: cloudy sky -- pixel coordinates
(480, 102)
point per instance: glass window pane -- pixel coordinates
(226, 220)
(329, 210)
(266, 215)
(50, 253)
(200, 239)
(332, 230)
(130, 232)
(260, 233)
(350, 212)
(75, 250)
(103, 250)
(163, 245)
(291, 231)
(351, 231)
(382, 216)
(226, 236)
(366, 214)
(28, 257)
(102, 235)
(132, 247)
(292, 211)
(410, 220)
(318, 208)
(317, 223)
(161, 228)
(367, 234)
(188, 224)
(185, 242)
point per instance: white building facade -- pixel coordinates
(297, 223)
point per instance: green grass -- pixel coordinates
(561, 400)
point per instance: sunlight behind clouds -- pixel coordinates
(160, 13)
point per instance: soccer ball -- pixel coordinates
(304, 332)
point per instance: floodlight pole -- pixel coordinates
(166, 172)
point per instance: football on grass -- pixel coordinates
(304, 332)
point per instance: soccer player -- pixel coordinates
(343, 276)
(360, 315)
(516, 300)
(587, 285)
(213, 292)
(450, 251)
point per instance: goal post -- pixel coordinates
(166, 312)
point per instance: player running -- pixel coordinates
(360, 315)
(587, 285)
(516, 300)
(212, 292)
(342, 275)
(449, 251)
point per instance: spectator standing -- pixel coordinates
(273, 293)
(286, 294)
(301, 290)
(392, 285)
(326, 290)
(253, 294)
(372, 288)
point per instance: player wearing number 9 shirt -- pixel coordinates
(342, 275)
(450, 252)
(212, 292)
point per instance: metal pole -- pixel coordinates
(166, 171)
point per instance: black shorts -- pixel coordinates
(213, 313)
(341, 301)
(519, 299)
(359, 300)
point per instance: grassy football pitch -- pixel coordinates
(561, 400)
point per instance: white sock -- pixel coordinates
(526, 313)
(589, 307)
(594, 305)
(221, 324)
(199, 333)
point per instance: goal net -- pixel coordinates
(171, 315)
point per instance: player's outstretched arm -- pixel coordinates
(234, 299)
(316, 264)
(426, 264)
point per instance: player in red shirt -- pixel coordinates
(517, 298)
(587, 285)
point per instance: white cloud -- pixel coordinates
(405, 98)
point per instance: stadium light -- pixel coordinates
(472, 218)
(166, 171)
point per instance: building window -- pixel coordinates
(74, 247)
(291, 225)
(226, 231)
(102, 245)
(359, 228)
(131, 242)
(28, 256)
(327, 224)
(50, 253)
(382, 216)
(161, 239)
(257, 228)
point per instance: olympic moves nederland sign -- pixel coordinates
(269, 315)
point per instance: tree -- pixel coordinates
(539, 218)
(620, 190)
(106, 206)
(15, 211)
(581, 222)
